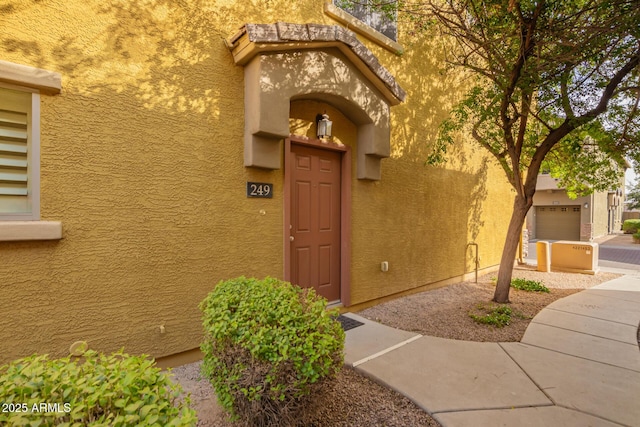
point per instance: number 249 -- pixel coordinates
(259, 190)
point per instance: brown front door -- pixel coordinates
(315, 219)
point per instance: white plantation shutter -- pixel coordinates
(16, 152)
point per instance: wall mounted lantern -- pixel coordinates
(586, 205)
(323, 125)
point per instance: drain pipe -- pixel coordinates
(477, 258)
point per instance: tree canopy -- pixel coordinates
(632, 195)
(552, 81)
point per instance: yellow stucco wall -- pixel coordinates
(142, 162)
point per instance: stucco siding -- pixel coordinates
(600, 214)
(142, 162)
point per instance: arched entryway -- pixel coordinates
(287, 63)
(284, 62)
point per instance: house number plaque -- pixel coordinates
(259, 189)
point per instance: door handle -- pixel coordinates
(291, 238)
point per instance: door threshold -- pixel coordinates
(334, 304)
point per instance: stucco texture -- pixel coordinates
(142, 161)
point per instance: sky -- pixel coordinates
(630, 177)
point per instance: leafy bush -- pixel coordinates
(98, 390)
(636, 237)
(498, 316)
(271, 349)
(631, 226)
(528, 285)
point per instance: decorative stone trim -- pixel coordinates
(309, 36)
(30, 230)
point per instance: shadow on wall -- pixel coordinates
(422, 229)
(417, 203)
(142, 72)
(431, 94)
(136, 77)
(140, 45)
(460, 185)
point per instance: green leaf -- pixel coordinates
(133, 407)
(276, 334)
(144, 411)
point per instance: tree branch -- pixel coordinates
(570, 124)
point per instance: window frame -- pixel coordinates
(38, 82)
(362, 28)
(33, 159)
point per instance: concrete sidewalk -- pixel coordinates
(578, 364)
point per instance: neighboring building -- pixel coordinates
(555, 216)
(134, 135)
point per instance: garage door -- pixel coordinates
(558, 222)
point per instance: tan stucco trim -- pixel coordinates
(361, 28)
(30, 230)
(325, 75)
(285, 61)
(48, 82)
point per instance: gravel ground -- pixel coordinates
(445, 312)
(357, 401)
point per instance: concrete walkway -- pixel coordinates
(578, 364)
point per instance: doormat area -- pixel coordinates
(348, 323)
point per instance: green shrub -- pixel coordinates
(271, 349)
(95, 390)
(636, 237)
(528, 285)
(497, 316)
(631, 226)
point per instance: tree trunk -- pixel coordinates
(521, 206)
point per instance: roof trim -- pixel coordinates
(253, 39)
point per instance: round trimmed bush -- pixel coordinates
(271, 350)
(631, 226)
(94, 390)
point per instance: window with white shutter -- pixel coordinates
(365, 12)
(19, 154)
(368, 21)
(20, 89)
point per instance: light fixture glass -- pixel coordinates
(323, 126)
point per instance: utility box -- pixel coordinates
(544, 256)
(575, 257)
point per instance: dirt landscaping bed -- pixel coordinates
(444, 312)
